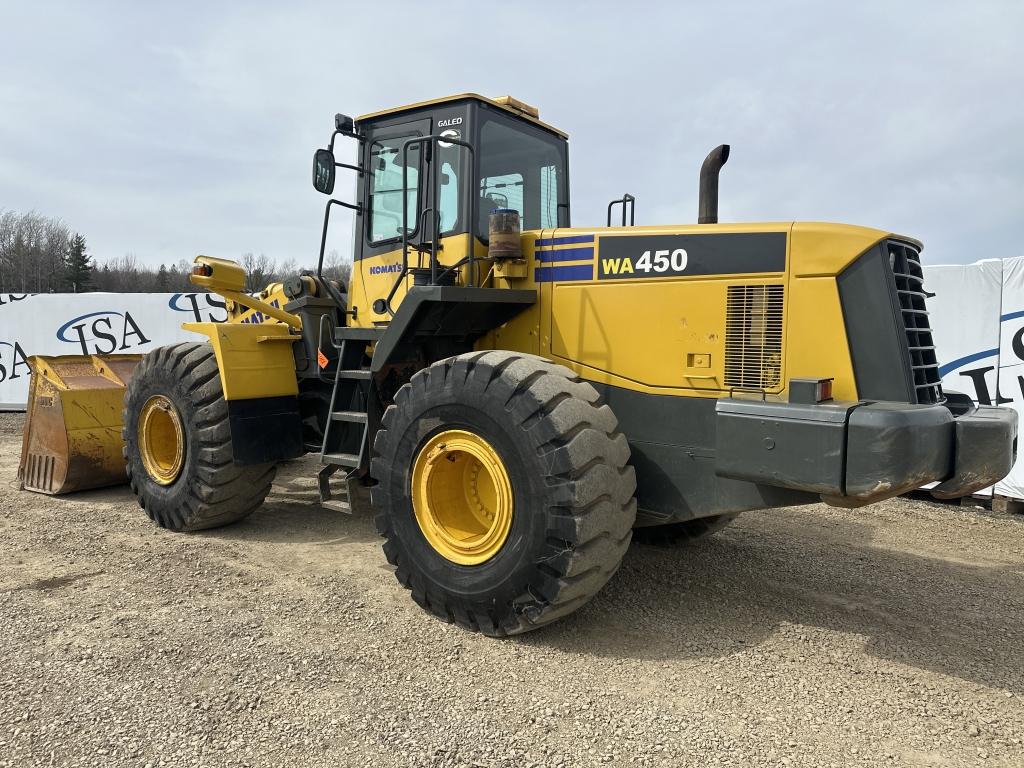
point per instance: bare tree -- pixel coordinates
(257, 271)
(8, 227)
(57, 250)
(337, 268)
(33, 251)
(288, 268)
(36, 250)
(122, 275)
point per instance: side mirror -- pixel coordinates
(323, 171)
(344, 124)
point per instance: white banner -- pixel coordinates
(91, 324)
(1011, 362)
(977, 315)
(964, 315)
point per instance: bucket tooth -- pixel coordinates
(72, 438)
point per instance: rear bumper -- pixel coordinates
(856, 453)
(985, 441)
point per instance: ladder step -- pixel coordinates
(356, 374)
(342, 459)
(353, 416)
(337, 506)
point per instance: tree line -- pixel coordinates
(40, 254)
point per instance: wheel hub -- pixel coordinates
(161, 440)
(462, 497)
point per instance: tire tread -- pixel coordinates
(217, 491)
(590, 506)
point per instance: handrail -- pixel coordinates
(626, 199)
(323, 235)
(431, 179)
(338, 131)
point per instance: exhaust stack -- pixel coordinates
(709, 170)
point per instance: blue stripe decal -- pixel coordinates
(944, 369)
(566, 254)
(558, 274)
(1011, 316)
(565, 240)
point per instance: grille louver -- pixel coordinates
(753, 336)
(905, 261)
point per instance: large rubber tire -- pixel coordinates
(674, 534)
(210, 490)
(572, 487)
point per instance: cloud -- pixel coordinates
(169, 132)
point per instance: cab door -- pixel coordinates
(378, 235)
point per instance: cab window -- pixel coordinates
(448, 197)
(505, 191)
(385, 220)
(522, 168)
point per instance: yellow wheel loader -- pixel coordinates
(521, 395)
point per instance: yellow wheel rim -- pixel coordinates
(462, 497)
(161, 440)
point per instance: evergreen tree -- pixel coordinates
(161, 280)
(78, 267)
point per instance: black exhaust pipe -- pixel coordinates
(708, 202)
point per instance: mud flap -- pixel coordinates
(72, 439)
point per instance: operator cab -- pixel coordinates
(515, 162)
(431, 173)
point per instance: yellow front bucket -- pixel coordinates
(72, 437)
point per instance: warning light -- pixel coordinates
(810, 390)
(824, 390)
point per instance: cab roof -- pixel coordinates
(505, 103)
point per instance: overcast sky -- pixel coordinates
(171, 129)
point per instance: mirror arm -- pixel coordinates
(357, 168)
(347, 134)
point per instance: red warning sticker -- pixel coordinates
(321, 359)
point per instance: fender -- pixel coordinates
(255, 360)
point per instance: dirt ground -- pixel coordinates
(811, 636)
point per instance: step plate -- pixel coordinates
(336, 505)
(341, 459)
(352, 417)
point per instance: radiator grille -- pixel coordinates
(905, 261)
(753, 336)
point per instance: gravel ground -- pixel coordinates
(808, 636)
